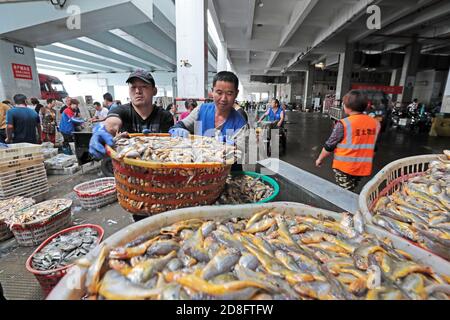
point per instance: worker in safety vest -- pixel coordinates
(353, 142)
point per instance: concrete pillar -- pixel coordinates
(110, 89)
(446, 99)
(345, 72)
(192, 49)
(308, 88)
(174, 87)
(409, 71)
(222, 57)
(395, 81)
(18, 73)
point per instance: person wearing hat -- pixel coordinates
(138, 116)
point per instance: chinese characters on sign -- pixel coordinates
(385, 89)
(22, 71)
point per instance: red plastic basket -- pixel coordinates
(50, 278)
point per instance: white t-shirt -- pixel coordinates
(101, 115)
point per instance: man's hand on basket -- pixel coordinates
(98, 140)
(179, 132)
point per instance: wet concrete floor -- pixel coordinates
(306, 134)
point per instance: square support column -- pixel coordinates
(345, 72)
(192, 48)
(409, 71)
(309, 82)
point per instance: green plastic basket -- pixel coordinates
(266, 179)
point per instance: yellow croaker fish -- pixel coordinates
(198, 284)
(93, 273)
(256, 217)
(146, 269)
(127, 253)
(260, 226)
(115, 286)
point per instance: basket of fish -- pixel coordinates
(36, 223)
(156, 173)
(266, 251)
(248, 187)
(7, 209)
(411, 198)
(51, 260)
(96, 193)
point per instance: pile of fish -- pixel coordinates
(271, 255)
(420, 209)
(39, 211)
(11, 206)
(244, 189)
(65, 249)
(174, 149)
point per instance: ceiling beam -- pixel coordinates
(273, 56)
(118, 52)
(64, 64)
(403, 8)
(424, 16)
(214, 16)
(60, 69)
(356, 11)
(301, 11)
(39, 53)
(251, 17)
(135, 41)
(91, 54)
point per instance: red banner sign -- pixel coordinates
(385, 89)
(22, 71)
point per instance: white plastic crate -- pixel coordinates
(60, 161)
(69, 170)
(19, 149)
(25, 190)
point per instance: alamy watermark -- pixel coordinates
(374, 20)
(73, 22)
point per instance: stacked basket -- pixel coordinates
(8, 207)
(149, 188)
(33, 233)
(23, 172)
(96, 193)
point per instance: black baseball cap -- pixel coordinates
(144, 75)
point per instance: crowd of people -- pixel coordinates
(223, 118)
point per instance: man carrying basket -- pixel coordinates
(217, 119)
(138, 116)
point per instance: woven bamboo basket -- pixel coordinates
(148, 188)
(5, 232)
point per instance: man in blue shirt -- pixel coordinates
(218, 119)
(22, 123)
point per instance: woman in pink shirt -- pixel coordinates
(189, 105)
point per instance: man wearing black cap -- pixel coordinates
(139, 116)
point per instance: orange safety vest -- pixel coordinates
(354, 155)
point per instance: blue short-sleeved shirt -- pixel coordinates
(25, 122)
